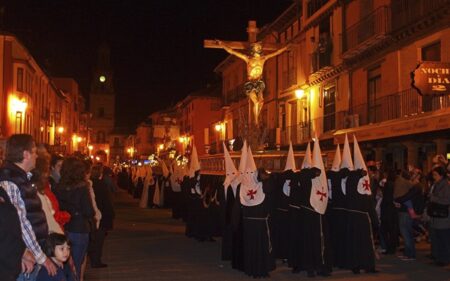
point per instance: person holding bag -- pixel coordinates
(438, 211)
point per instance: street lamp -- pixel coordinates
(299, 93)
(17, 107)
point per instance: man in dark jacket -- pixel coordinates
(15, 180)
(104, 201)
(11, 241)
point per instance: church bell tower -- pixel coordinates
(102, 101)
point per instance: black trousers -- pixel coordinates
(96, 245)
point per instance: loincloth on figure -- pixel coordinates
(256, 86)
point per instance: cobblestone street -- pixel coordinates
(148, 245)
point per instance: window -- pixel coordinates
(329, 120)
(432, 52)
(20, 79)
(373, 90)
(116, 141)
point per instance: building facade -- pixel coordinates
(158, 134)
(34, 103)
(350, 73)
(199, 114)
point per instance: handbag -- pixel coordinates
(436, 210)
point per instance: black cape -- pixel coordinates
(300, 183)
(258, 258)
(337, 218)
(315, 254)
(361, 225)
(279, 217)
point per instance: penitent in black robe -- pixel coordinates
(337, 218)
(279, 217)
(300, 183)
(361, 225)
(237, 236)
(315, 254)
(258, 258)
(194, 211)
(226, 211)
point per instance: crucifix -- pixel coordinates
(255, 59)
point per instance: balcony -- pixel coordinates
(297, 134)
(369, 32)
(321, 58)
(409, 13)
(402, 104)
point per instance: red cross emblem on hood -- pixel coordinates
(366, 185)
(321, 194)
(251, 193)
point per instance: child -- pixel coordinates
(57, 247)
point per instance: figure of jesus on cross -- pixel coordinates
(255, 59)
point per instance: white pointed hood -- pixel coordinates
(346, 161)
(251, 192)
(337, 160)
(194, 164)
(364, 182)
(231, 173)
(319, 190)
(243, 161)
(290, 165)
(290, 160)
(157, 195)
(307, 162)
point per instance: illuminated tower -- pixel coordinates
(102, 100)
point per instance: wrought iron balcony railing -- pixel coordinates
(368, 31)
(407, 12)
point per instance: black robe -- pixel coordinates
(279, 217)
(361, 225)
(237, 237)
(194, 210)
(226, 210)
(300, 184)
(316, 255)
(258, 258)
(337, 217)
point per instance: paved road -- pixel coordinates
(148, 245)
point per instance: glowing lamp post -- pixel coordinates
(18, 108)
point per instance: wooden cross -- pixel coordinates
(252, 31)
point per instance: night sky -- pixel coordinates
(156, 45)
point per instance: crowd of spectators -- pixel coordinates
(55, 213)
